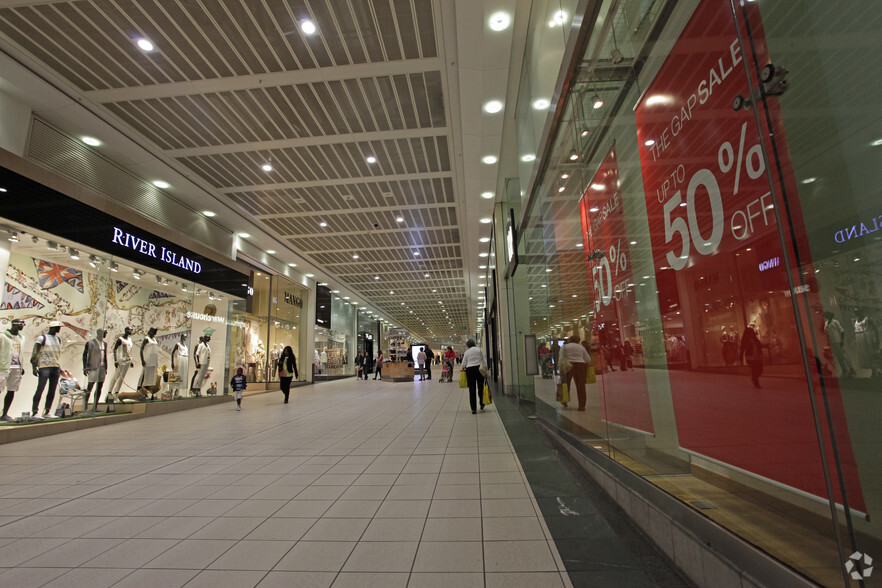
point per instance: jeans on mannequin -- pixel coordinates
(46, 375)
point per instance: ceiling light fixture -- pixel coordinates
(573, 155)
(355, 256)
(13, 237)
(308, 27)
(267, 167)
(114, 267)
(145, 45)
(484, 239)
(559, 19)
(91, 141)
(209, 213)
(292, 265)
(136, 273)
(596, 101)
(541, 104)
(244, 235)
(370, 159)
(528, 158)
(486, 220)
(323, 224)
(416, 253)
(161, 185)
(489, 159)
(271, 251)
(493, 106)
(310, 275)
(564, 176)
(499, 21)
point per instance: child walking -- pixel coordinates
(238, 383)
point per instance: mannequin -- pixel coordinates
(866, 338)
(149, 359)
(122, 361)
(836, 336)
(203, 361)
(324, 360)
(95, 366)
(45, 361)
(11, 370)
(180, 363)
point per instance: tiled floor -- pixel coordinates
(351, 484)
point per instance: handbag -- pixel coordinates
(483, 370)
(486, 398)
(590, 376)
(563, 364)
(463, 380)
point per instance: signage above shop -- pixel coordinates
(163, 254)
(293, 300)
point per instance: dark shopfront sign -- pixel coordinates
(33, 204)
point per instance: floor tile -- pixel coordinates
(227, 528)
(252, 555)
(371, 580)
(282, 529)
(191, 554)
(93, 578)
(353, 509)
(403, 509)
(513, 529)
(145, 578)
(215, 578)
(455, 508)
(451, 556)
(334, 529)
(528, 580)
(316, 556)
(383, 556)
(518, 556)
(278, 579)
(446, 580)
(452, 529)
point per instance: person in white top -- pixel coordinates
(578, 358)
(472, 360)
(421, 362)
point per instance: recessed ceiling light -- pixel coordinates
(266, 167)
(484, 239)
(292, 265)
(564, 176)
(809, 180)
(145, 45)
(596, 101)
(271, 251)
(308, 27)
(391, 291)
(416, 253)
(493, 106)
(323, 224)
(355, 256)
(489, 159)
(487, 195)
(370, 159)
(425, 275)
(593, 209)
(376, 277)
(486, 220)
(161, 185)
(562, 188)
(649, 142)
(585, 133)
(346, 298)
(876, 143)
(209, 213)
(485, 254)
(244, 235)
(310, 275)
(399, 219)
(541, 104)
(91, 141)
(527, 158)
(573, 155)
(499, 21)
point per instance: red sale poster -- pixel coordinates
(721, 270)
(624, 393)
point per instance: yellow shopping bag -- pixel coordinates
(487, 398)
(463, 380)
(563, 393)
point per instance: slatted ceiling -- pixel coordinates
(89, 43)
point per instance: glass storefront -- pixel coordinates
(707, 224)
(334, 338)
(267, 322)
(51, 279)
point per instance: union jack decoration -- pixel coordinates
(52, 275)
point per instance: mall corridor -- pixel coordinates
(354, 483)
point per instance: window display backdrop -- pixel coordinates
(285, 324)
(607, 252)
(713, 226)
(85, 295)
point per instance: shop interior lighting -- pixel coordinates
(564, 176)
(493, 106)
(489, 159)
(51, 245)
(271, 251)
(136, 274)
(161, 185)
(244, 235)
(541, 104)
(208, 213)
(596, 102)
(91, 141)
(292, 265)
(573, 155)
(486, 220)
(183, 287)
(585, 133)
(528, 158)
(484, 239)
(13, 237)
(323, 224)
(93, 261)
(616, 55)
(416, 253)
(114, 267)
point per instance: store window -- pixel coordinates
(164, 336)
(286, 323)
(714, 247)
(333, 335)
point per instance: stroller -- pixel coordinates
(446, 372)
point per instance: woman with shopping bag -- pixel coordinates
(472, 362)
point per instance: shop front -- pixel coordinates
(707, 226)
(96, 306)
(334, 336)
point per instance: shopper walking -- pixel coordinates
(287, 367)
(237, 384)
(752, 353)
(578, 358)
(378, 368)
(421, 361)
(472, 360)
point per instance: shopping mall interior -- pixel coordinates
(426, 292)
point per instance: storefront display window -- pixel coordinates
(719, 257)
(148, 322)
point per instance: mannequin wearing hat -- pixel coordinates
(95, 366)
(46, 364)
(203, 361)
(11, 371)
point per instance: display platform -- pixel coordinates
(399, 371)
